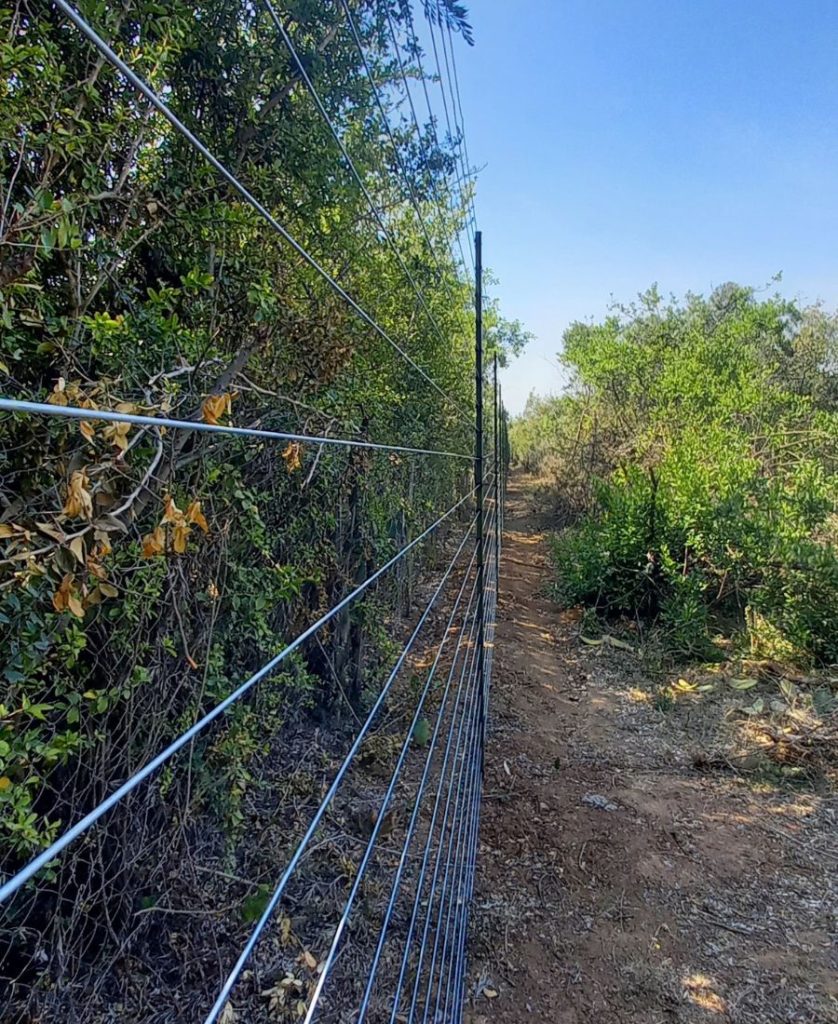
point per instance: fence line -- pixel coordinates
(78, 413)
(438, 880)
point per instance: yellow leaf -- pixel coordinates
(108, 590)
(77, 547)
(171, 513)
(79, 503)
(6, 530)
(103, 542)
(67, 598)
(127, 407)
(86, 430)
(212, 591)
(214, 407)
(180, 534)
(90, 695)
(5, 782)
(58, 397)
(590, 642)
(154, 543)
(196, 516)
(292, 456)
(309, 959)
(117, 433)
(4, 368)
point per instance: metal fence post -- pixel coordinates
(497, 482)
(478, 469)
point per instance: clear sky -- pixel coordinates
(626, 142)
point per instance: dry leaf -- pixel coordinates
(192, 663)
(171, 513)
(308, 959)
(67, 598)
(77, 547)
(6, 531)
(180, 535)
(108, 590)
(742, 684)
(87, 430)
(228, 1015)
(490, 993)
(196, 516)
(154, 543)
(58, 397)
(117, 433)
(51, 531)
(79, 503)
(212, 591)
(214, 407)
(291, 455)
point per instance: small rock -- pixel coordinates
(601, 803)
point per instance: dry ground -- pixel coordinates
(618, 882)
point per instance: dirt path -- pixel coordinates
(616, 881)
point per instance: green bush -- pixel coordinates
(715, 472)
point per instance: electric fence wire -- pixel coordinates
(455, 142)
(270, 907)
(76, 412)
(161, 107)
(414, 200)
(403, 75)
(42, 859)
(459, 132)
(286, 38)
(459, 106)
(467, 671)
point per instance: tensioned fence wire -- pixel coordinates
(426, 913)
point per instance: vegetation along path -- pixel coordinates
(626, 874)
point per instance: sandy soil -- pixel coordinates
(617, 881)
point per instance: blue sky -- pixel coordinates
(625, 142)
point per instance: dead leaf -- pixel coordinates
(51, 531)
(79, 503)
(212, 591)
(154, 543)
(108, 590)
(180, 535)
(77, 547)
(214, 407)
(742, 684)
(196, 516)
(490, 993)
(67, 598)
(228, 1015)
(192, 663)
(291, 455)
(171, 513)
(87, 430)
(308, 959)
(6, 531)
(57, 397)
(117, 433)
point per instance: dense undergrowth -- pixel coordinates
(694, 457)
(147, 572)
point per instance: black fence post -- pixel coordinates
(478, 470)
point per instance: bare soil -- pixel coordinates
(620, 877)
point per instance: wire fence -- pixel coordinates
(215, 843)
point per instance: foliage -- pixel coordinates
(146, 573)
(710, 428)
